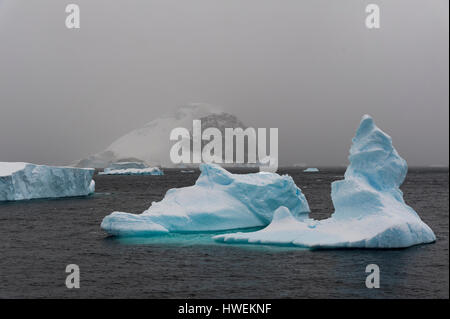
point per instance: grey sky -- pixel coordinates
(310, 68)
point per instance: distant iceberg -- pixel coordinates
(369, 208)
(131, 168)
(219, 200)
(126, 165)
(19, 181)
(311, 170)
(133, 171)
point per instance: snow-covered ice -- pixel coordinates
(151, 144)
(369, 208)
(219, 200)
(311, 170)
(19, 181)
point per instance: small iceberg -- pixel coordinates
(131, 168)
(133, 171)
(311, 170)
(369, 208)
(219, 200)
(126, 165)
(20, 181)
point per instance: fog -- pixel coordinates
(310, 68)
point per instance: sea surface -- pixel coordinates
(39, 238)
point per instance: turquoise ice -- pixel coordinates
(219, 200)
(369, 208)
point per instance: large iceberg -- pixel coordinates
(20, 181)
(369, 208)
(219, 200)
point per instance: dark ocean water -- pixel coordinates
(39, 238)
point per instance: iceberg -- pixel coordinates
(133, 171)
(311, 170)
(126, 165)
(369, 208)
(219, 200)
(19, 181)
(131, 168)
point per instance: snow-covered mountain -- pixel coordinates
(151, 144)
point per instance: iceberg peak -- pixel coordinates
(213, 174)
(369, 208)
(374, 158)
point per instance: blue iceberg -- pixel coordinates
(19, 181)
(311, 170)
(219, 200)
(369, 208)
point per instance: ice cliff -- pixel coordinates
(219, 200)
(369, 208)
(20, 181)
